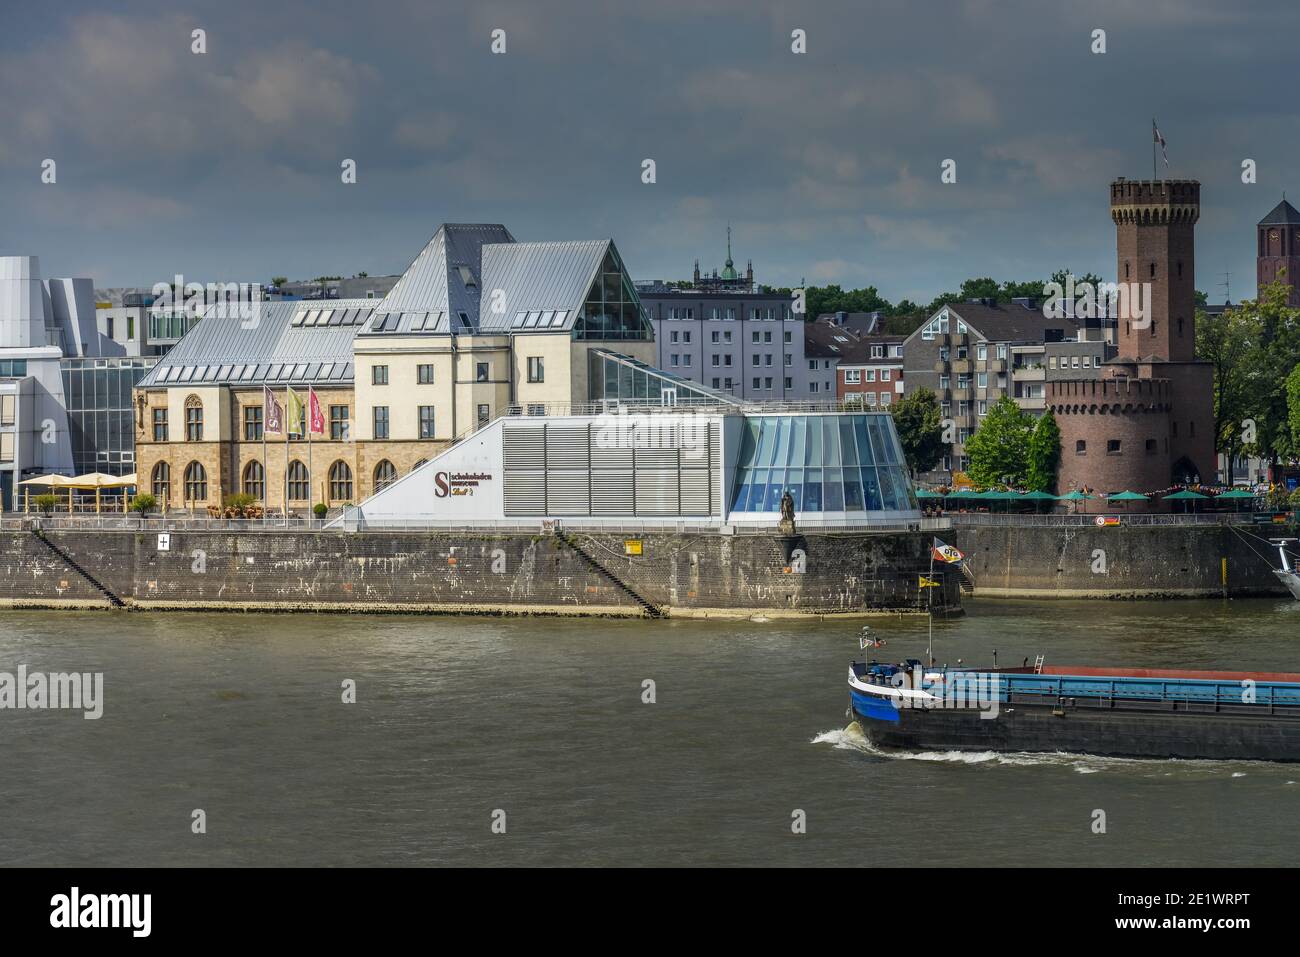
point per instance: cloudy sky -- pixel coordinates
(226, 166)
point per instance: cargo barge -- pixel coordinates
(1118, 712)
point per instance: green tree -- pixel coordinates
(917, 420)
(1275, 353)
(999, 449)
(1228, 342)
(1293, 404)
(278, 281)
(1044, 454)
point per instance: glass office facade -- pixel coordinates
(101, 419)
(828, 463)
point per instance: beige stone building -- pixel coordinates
(477, 326)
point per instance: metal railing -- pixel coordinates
(1080, 519)
(620, 525)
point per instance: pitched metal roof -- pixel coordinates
(1283, 214)
(445, 276)
(536, 286)
(305, 341)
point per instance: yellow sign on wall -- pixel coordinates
(632, 546)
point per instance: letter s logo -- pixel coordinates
(440, 488)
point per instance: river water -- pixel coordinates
(544, 720)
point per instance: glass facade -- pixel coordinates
(614, 376)
(613, 309)
(101, 420)
(828, 463)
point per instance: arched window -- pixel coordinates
(196, 483)
(194, 419)
(385, 475)
(419, 463)
(299, 483)
(162, 482)
(254, 480)
(340, 482)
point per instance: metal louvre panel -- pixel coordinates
(658, 436)
(611, 493)
(612, 458)
(656, 458)
(567, 446)
(695, 492)
(566, 493)
(656, 492)
(525, 493)
(715, 446)
(523, 447)
(697, 457)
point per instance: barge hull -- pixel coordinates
(1106, 732)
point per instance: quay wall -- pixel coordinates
(679, 574)
(1125, 561)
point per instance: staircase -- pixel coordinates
(967, 580)
(72, 563)
(651, 610)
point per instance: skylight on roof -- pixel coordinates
(560, 316)
(466, 276)
(519, 320)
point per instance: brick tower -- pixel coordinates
(1148, 421)
(1278, 249)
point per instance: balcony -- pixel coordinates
(1034, 373)
(993, 365)
(962, 366)
(961, 395)
(1031, 403)
(941, 366)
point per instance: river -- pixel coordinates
(541, 725)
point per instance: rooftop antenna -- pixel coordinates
(1227, 286)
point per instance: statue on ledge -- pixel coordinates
(787, 513)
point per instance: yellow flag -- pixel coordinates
(928, 582)
(293, 409)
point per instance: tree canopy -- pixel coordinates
(918, 421)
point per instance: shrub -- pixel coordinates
(240, 500)
(1295, 500)
(321, 509)
(46, 503)
(143, 503)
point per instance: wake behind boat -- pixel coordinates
(1135, 713)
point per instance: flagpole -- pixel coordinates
(311, 478)
(1153, 148)
(285, 416)
(266, 473)
(929, 654)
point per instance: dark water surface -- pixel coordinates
(240, 715)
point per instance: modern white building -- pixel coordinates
(49, 341)
(719, 465)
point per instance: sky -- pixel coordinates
(226, 165)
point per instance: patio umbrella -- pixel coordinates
(1127, 496)
(1238, 494)
(1036, 495)
(1186, 495)
(1074, 496)
(926, 493)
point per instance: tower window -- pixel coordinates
(1180, 327)
(1080, 447)
(1153, 270)
(1180, 270)
(1112, 446)
(1151, 446)
(1126, 270)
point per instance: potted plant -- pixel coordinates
(45, 504)
(320, 509)
(143, 503)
